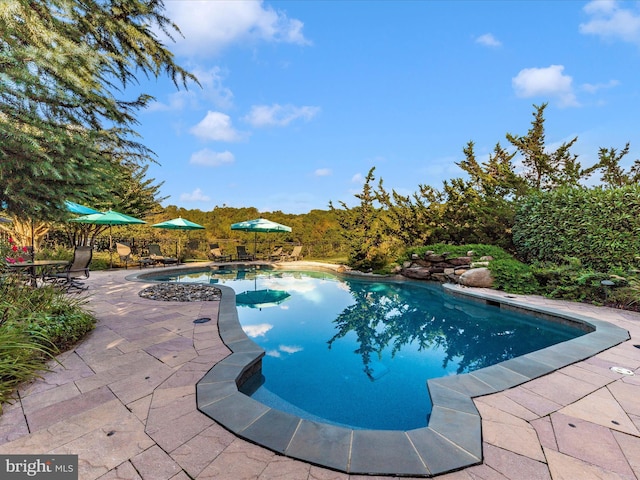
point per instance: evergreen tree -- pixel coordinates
(362, 230)
(544, 170)
(613, 175)
(64, 128)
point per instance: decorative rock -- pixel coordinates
(486, 258)
(414, 256)
(470, 253)
(479, 264)
(417, 273)
(460, 261)
(477, 277)
(434, 258)
(441, 277)
(178, 292)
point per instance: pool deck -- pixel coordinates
(124, 401)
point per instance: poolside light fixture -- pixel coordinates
(202, 320)
(622, 371)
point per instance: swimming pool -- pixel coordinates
(358, 353)
(453, 437)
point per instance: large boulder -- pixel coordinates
(477, 277)
(417, 272)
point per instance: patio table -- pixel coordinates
(43, 266)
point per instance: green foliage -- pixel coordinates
(370, 249)
(599, 226)
(512, 276)
(545, 169)
(612, 174)
(626, 296)
(21, 357)
(479, 250)
(570, 280)
(64, 131)
(35, 323)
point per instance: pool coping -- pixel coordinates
(452, 440)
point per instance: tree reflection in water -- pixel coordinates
(391, 316)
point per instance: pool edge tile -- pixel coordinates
(385, 452)
(321, 444)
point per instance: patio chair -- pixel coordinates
(243, 254)
(126, 256)
(216, 255)
(70, 275)
(296, 254)
(157, 257)
(276, 254)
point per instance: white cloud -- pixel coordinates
(279, 115)
(209, 158)
(257, 330)
(595, 87)
(549, 81)
(358, 178)
(176, 101)
(609, 20)
(488, 40)
(216, 126)
(290, 348)
(213, 88)
(210, 26)
(322, 172)
(195, 196)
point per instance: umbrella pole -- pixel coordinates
(255, 243)
(110, 249)
(33, 249)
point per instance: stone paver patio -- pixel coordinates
(124, 401)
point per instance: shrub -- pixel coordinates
(22, 355)
(513, 276)
(479, 250)
(570, 281)
(35, 323)
(599, 226)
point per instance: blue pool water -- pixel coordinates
(357, 352)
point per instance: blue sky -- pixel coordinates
(300, 99)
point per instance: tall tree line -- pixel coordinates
(477, 208)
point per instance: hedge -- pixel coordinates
(598, 226)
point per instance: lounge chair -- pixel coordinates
(216, 255)
(156, 255)
(296, 254)
(243, 254)
(276, 254)
(69, 276)
(126, 256)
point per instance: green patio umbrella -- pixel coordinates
(78, 209)
(111, 218)
(259, 225)
(261, 298)
(178, 224)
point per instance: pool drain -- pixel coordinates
(201, 320)
(622, 370)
